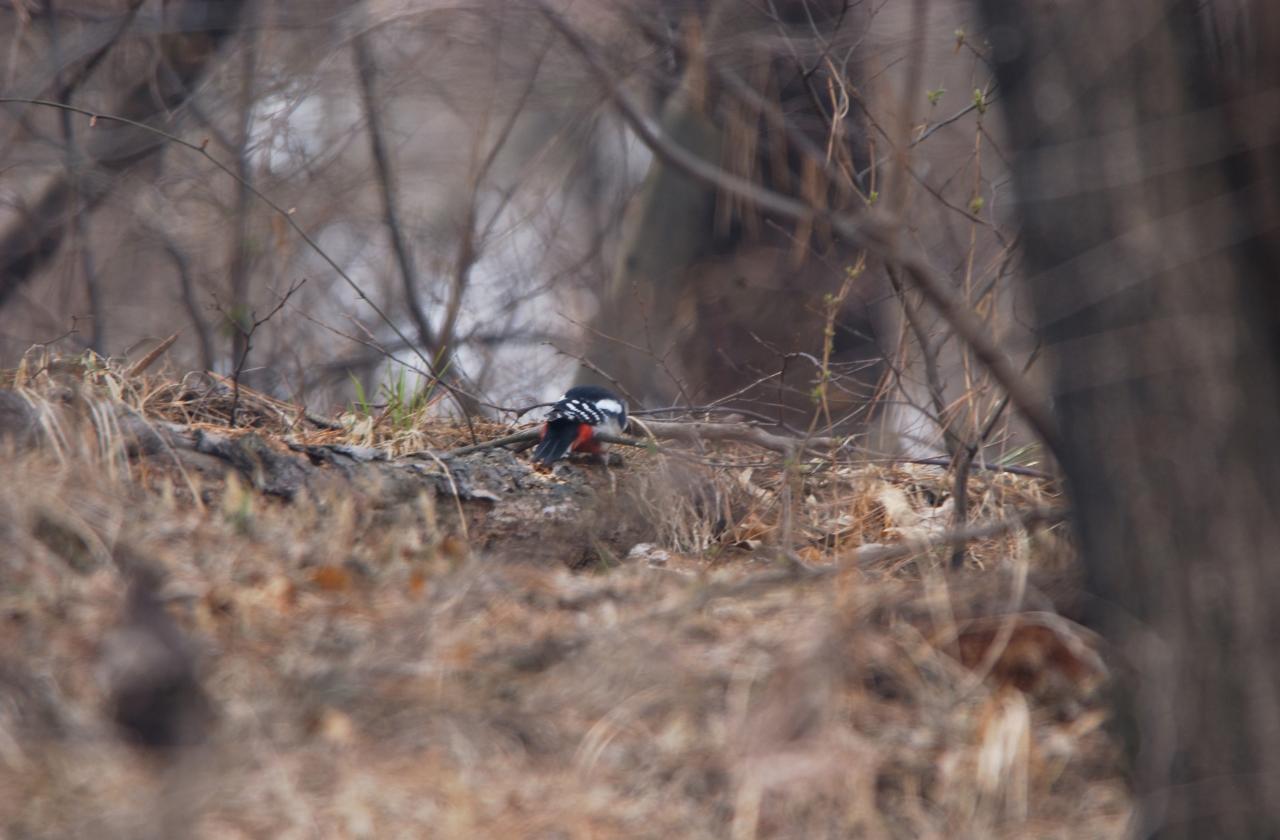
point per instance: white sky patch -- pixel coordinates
(286, 131)
(624, 152)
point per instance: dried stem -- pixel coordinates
(186, 284)
(247, 331)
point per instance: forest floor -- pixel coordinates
(384, 640)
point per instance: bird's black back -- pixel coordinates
(581, 403)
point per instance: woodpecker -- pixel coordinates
(575, 420)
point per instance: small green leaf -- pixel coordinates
(362, 402)
(935, 96)
(976, 204)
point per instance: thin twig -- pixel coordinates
(596, 369)
(692, 432)
(1012, 469)
(929, 349)
(517, 437)
(743, 433)
(247, 334)
(967, 457)
(186, 285)
(989, 96)
(705, 409)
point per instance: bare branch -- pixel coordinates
(692, 432)
(148, 360)
(744, 433)
(518, 437)
(186, 283)
(246, 330)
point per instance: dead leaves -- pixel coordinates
(1033, 652)
(330, 578)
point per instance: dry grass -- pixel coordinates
(375, 678)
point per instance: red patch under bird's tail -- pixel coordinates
(558, 437)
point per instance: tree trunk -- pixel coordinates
(1146, 168)
(709, 296)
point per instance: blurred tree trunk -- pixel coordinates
(198, 28)
(1147, 136)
